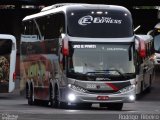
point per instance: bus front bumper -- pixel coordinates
(72, 96)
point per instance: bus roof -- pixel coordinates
(73, 6)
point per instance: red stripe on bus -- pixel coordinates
(112, 86)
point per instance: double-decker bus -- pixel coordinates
(7, 63)
(80, 54)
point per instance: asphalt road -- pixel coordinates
(15, 107)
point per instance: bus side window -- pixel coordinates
(40, 25)
(26, 28)
(51, 25)
(60, 24)
(49, 28)
(30, 30)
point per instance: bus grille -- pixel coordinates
(102, 91)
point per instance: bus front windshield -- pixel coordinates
(157, 41)
(99, 24)
(101, 60)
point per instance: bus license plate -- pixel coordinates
(102, 97)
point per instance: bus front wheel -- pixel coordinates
(54, 98)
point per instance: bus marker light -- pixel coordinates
(99, 12)
(142, 49)
(14, 76)
(65, 47)
(142, 53)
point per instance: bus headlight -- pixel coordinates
(77, 88)
(132, 97)
(126, 89)
(71, 97)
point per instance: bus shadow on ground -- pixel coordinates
(94, 107)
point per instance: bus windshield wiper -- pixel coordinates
(98, 76)
(128, 75)
(110, 70)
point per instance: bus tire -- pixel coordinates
(54, 99)
(27, 90)
(51, 100)
(115, 106)
(30, 96)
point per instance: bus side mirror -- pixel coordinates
(137, 28)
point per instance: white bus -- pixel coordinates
(80, 54)
(7, 63)
(156, 36)
(145, 70)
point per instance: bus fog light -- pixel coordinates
(71, 97)
(132, 97)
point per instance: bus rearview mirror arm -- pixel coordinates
(137, 28)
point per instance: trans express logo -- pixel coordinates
(85, 20)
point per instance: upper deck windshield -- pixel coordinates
(114, 62)
(99, 24)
